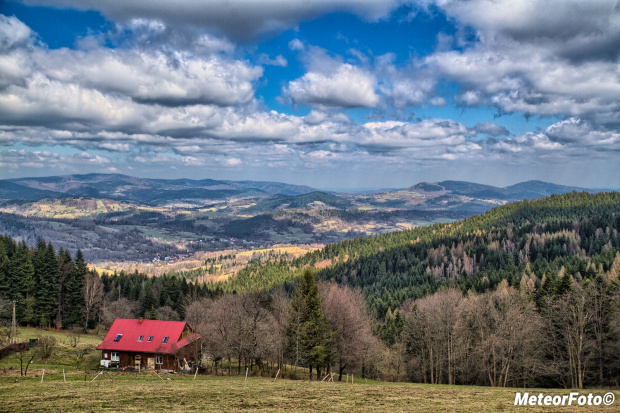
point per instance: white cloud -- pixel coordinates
(279, 60)
(231, 162)
(348, 86)
(572, 29)
(537, 57)
(491, 129)
(172, 78)
(438, 133)
(235, 18)
(13, 33)
(86, 157)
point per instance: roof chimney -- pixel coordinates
(140, 320)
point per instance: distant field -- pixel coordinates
(231, 394)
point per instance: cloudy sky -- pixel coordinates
(336, 94)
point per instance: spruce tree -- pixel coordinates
(4, 268)
(46, 275)
(74, 312)
(148, 303)
(308, 338)
(65, 266)
(21, 278)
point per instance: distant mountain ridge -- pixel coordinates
(523, 190)
(143, 190)
(444, 195)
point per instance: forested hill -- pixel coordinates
(548, 240)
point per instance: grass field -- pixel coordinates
(230, 394)
(148, 392)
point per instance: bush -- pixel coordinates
(47, 346)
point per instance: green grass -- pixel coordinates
(131, 392)
(147, 392)
(63, 357)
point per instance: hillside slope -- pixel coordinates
(146, 191)
(574, 234)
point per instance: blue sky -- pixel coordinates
(347, 94)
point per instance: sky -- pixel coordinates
(335, 94)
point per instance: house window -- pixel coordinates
(159, 359)
(150, 338)
(105, 355)
(115, 356)
(140, 338)
(118, 337)
(165, 340)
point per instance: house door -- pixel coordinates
(150, 363)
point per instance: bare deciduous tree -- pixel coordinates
(571, 318)
(121, 308)
(350, 322)
(93, 295)
(431, 333)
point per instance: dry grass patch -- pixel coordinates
(231, 394)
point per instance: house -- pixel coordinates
(146, 344)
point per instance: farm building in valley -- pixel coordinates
(146, 344)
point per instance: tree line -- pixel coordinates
(524, 295)
(49, 288)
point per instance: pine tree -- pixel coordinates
(308, 338)
(46, 276)
(65, 266)
(74, 312)
(148, 303)
(4, 268)
(21, 278)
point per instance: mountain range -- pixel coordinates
(273, 195)
(119, 217)
(141, 190)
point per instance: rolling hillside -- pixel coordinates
(118, 217)
(142, 190)
(574, 234)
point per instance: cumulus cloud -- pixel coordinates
(404, 87)
(433, 133)
(13, 33)
(571, 29)
(537, 57)
(491, 129)
(577, 132)
(187, 98)
(241, 19)
(172, 78)
(279, 60)
(348, 86)
(14, 159)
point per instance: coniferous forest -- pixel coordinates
(526, 294)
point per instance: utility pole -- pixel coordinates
(14, 327)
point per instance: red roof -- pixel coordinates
(133, 329)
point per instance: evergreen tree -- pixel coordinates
(47, 273)
(4, 268)
(308, 337)
(65, 267)
(21, 278)
(148, 304)
(74, 313)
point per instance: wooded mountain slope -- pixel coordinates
(577, 232)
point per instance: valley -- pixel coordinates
(115, 219)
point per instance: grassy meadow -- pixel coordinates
(174, 392)
(131, 392)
